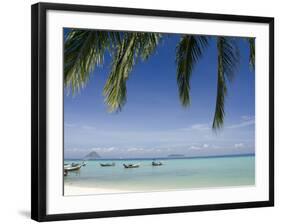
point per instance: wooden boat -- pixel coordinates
(73, 168)
(66, 165)
(131, 165)
(107, 164)
(157, 163)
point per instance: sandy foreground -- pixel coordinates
(76, 190)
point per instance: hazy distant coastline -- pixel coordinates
(164, 157)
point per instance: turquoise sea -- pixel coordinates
(181, 173)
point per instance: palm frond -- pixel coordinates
(115, 88)
(147, 43)
(188, 52)
(228, 58)
(132, 46)
(252, 52)
(84, 50)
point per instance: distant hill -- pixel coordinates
(92, 155)
(176, 155)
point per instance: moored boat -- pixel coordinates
(74, 164)
(73, 168)
(157, 163)
(66, 165)
(107, 164)
(131, 165)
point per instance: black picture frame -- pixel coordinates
(39, 122)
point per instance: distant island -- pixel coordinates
(92, 155)
(175, 155)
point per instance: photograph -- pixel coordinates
(138, 112)
(157, 112)
(146, 111)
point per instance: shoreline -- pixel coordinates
(71, 190)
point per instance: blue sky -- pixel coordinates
(153, 123)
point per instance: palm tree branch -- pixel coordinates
(115, 88)
(188, 52)
(228, 58)
(252, 52)
(133, 46)
(84, 50)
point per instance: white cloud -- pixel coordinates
(134, 149)
(200, 127)
(246, 121)
(197, 127)
(199, 147)
(102, 149)
(96, 149)
(194, 147)
(110, 149)
(238, 145)
(247, 117)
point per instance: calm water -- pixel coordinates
(174, 174)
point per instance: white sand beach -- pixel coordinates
(77, 190)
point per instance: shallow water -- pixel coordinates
(174, 174)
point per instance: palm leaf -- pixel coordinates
(132, 46)
(84, 50)
(228, 58)
(115, 87)
(252, 52)
(147, 43)
(188, 52)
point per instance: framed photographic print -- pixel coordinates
(138, 111)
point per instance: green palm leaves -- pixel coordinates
(188, 52)
(132, 47)
(85, 49)
(252, 52)
(227, 62)
(122, 63)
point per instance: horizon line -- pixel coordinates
(166, 157)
